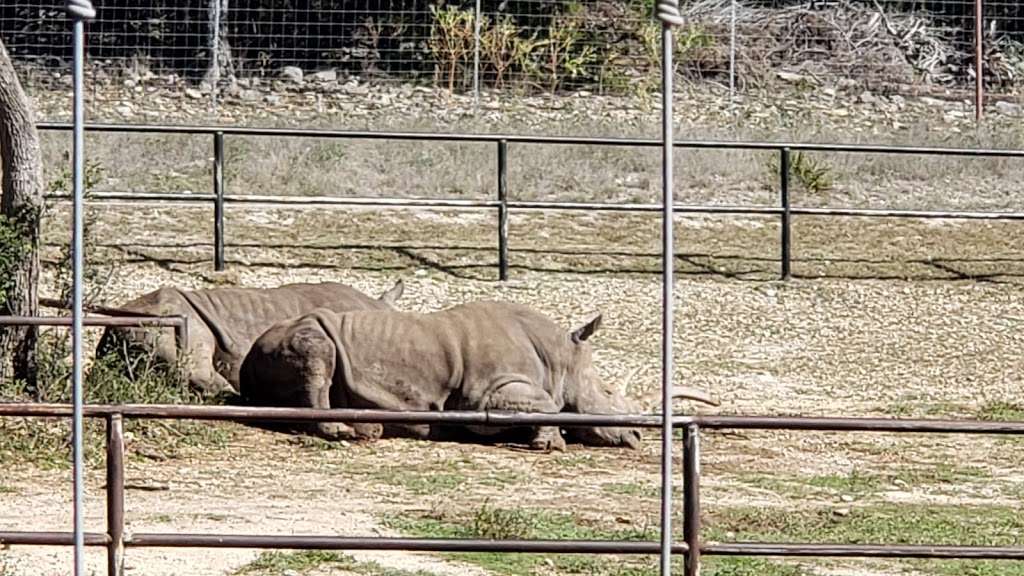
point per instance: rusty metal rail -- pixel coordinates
(179, 323)
(692, 548)
(502, 202)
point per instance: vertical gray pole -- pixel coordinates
(218, 201)
(503, 210)
(787, 218)
(476, 54)
(979, 58)
(668, 13)
(79, 11)
(732, 50)
(214, 51)
(691, 498)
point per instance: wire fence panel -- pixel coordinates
(523, 47)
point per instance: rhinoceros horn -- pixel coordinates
(697, 394)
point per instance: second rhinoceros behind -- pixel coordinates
(478, 356)
(224, 322)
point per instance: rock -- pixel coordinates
(272, 99)
(324, 76)
(846, 498)
(249, 95)
(841, 511)
(193, 93)
(867, 97)
(1008, 108)
(795, 78)
(292, 73)
(932, 102)
(124, 110)
(899, 482)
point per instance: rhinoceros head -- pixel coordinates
(586, 393)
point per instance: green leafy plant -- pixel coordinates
(502, 46)
(811, 174)
(564, 52)
(451, 38)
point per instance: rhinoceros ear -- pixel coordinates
(392, 295)
(587, 330)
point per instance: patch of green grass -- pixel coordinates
(999, 410)
(503, 523)
(855, 482)
(276, 562)
(421, 482)
(632, 489)
(728, 566)
(303, 562)
(886, 523)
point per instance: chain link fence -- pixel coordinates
(518, 47)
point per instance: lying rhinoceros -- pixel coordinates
(479, 356)
(223, 323)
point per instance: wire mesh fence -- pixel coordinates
(531, 46)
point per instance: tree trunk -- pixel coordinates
(21, 206)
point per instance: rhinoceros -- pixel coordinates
(223, 323)
(476, 356)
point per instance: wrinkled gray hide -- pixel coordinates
(479, 356)
(223, 323)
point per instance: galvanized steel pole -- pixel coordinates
(79, 11)
(668, 14)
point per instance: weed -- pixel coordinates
(811, 174)
(632, 489)
(309, 560)
(277, 562)
(909, 524)
(1001, 410)
(451, 38)
(502, 523)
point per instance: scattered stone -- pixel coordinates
(272, 99)
(932, 102)
(124, 110)
(841, 511)
(249, 95)
(867, 97)
(794, 78)
(324, 76)
(292, 74)
(846, 498)
(193, 93)
(1008, 108)
(900, 483)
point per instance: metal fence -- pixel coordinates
(692, 547)
(469, 46)
(504, 200)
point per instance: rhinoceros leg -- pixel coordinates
(520, 396)
(293, 366)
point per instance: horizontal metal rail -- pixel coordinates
(124, 321)
(526, 139)
(116, 541)
(179, 323)
(752, 210)
(784, 210)
(865, 551)
(14, 538)
(501, 418)
(138, 540)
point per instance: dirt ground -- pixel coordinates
(893, 318)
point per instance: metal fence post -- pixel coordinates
(787, 216)
(476, 53)
(218, 202)
(115, 495)
(181, 334)
(979, 59)
(503, 210)
(691, 498)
